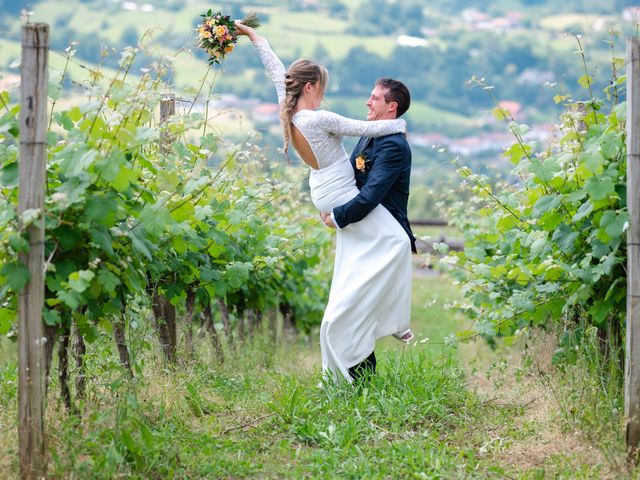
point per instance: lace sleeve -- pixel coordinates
(337, 124)
(272, 64)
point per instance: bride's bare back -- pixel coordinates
(303, 148)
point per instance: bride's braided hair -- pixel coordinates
(298, 74)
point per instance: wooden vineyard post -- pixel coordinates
(32, 172)
(632, 360)
(167, 109)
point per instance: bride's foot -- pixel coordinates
(404, 336)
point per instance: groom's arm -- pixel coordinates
(386, 169)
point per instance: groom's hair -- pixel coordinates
(398, 92)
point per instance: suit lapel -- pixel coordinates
(359, 147)
(364, 143)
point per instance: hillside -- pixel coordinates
(522, 48)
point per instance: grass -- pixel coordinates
(261, 415)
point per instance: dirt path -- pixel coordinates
(532, 437)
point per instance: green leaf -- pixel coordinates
(516, 152)
(565, 238)
(611, 143)
(208, 274)
(547, 203)
(599, 311)
(7, 319)
(17, 275)
(108, 281)
(215, 250)
(74, 114)
(593, 161)
(544, 171)
(18, 243)
(53, 90)
(585, 81)
(585, 209)
(124, 178)
(109, 167)
(62, 119)
(146, 435)
(101, 237)
(485, 327)
(549, 221)
(129, 442)
(79, 162)
(183, 212)
(70, 298)
(154, 219)
(51, 317)
(519, 129)
(540, 244)
(101, 208)
(9, 176)
(500, 113)
(600, 188)
(79, 281)
(613, 223)
(29, 216)
(506, 223)
(141, 245)
(237, 274)
(180, 245)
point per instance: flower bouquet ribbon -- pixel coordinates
(217, 33)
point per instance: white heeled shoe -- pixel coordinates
(404, 336)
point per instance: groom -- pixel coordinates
(382, 169)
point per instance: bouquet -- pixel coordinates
(217, 34)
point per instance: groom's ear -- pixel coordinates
(392, 107)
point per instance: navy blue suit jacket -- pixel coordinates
(385, 181)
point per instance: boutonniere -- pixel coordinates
(361, 162)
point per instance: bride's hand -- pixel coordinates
(242, 29)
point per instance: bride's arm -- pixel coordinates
(337, 124)
(269, 59)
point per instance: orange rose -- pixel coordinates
(221, 31)
(360, 160)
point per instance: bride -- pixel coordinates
(368, 297)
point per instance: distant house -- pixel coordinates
(427, 140)
(502, 24)
(514, 108)
(631, 14)
(9, 81)
(515, 17)
(266, 112)
(474, 16)
(541, 132)
(475, 145)
(410, 41)
(536, 77)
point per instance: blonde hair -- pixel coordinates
(299, 73)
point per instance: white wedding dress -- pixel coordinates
(370, 293)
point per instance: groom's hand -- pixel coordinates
(326, 218)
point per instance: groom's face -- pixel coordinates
(378, 107)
